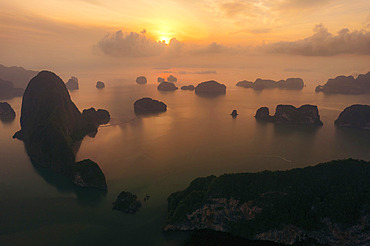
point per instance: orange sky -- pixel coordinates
(54, 33)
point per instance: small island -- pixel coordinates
(148, 105)
(7, 113)
(188, 87)
(8, 91)
(127, 203)
(100, 85)
(290, 115)
(346, 85)
(167, 86)
(72, 84)
(141, 80)
(327, 204)
(210, 88)
(355, 116)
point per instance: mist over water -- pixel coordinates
(160, 154)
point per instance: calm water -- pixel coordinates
(159, 155)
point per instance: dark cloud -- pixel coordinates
(323, 43)
(143, 31)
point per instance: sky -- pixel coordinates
(92, 34)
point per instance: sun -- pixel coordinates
(166, 40)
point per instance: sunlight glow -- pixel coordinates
(166, 40)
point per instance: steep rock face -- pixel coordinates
(263, 113)
(346, 85)
(7, 90)
(6, 112)
(166, 86)
(148, 105)
(188, 87)
(100, 85)
(88, 174)
(51, 124)
(92, 119)
(326, 203)
(210, 88)
(141, 80)
(72, 84)
(355, 116)
(290, 115)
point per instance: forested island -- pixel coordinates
(328, 203)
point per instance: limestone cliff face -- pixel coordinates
(290, 115)
(50, 123)
(346, 85)
(355, 116)
(52, 126)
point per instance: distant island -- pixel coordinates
(8, 91)
(148, 105)
(6, 112)
(167, 86)
(210, 88)
(141, 80)
(17, 75)
(346, 85)
(72, 84)
(290, 115)
(355, 116)
(260, 84)
(327, 203)
(100, 85)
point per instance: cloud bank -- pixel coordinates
(121, 44)
(324, 43)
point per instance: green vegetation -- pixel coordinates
(338, 190)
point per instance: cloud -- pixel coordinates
(131, 44)
(253, 31)
(212, 48)
(323, 43)
(303, 4)
(198, 72)
(123, 44)
(232, 8)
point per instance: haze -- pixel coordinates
(311, 39)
